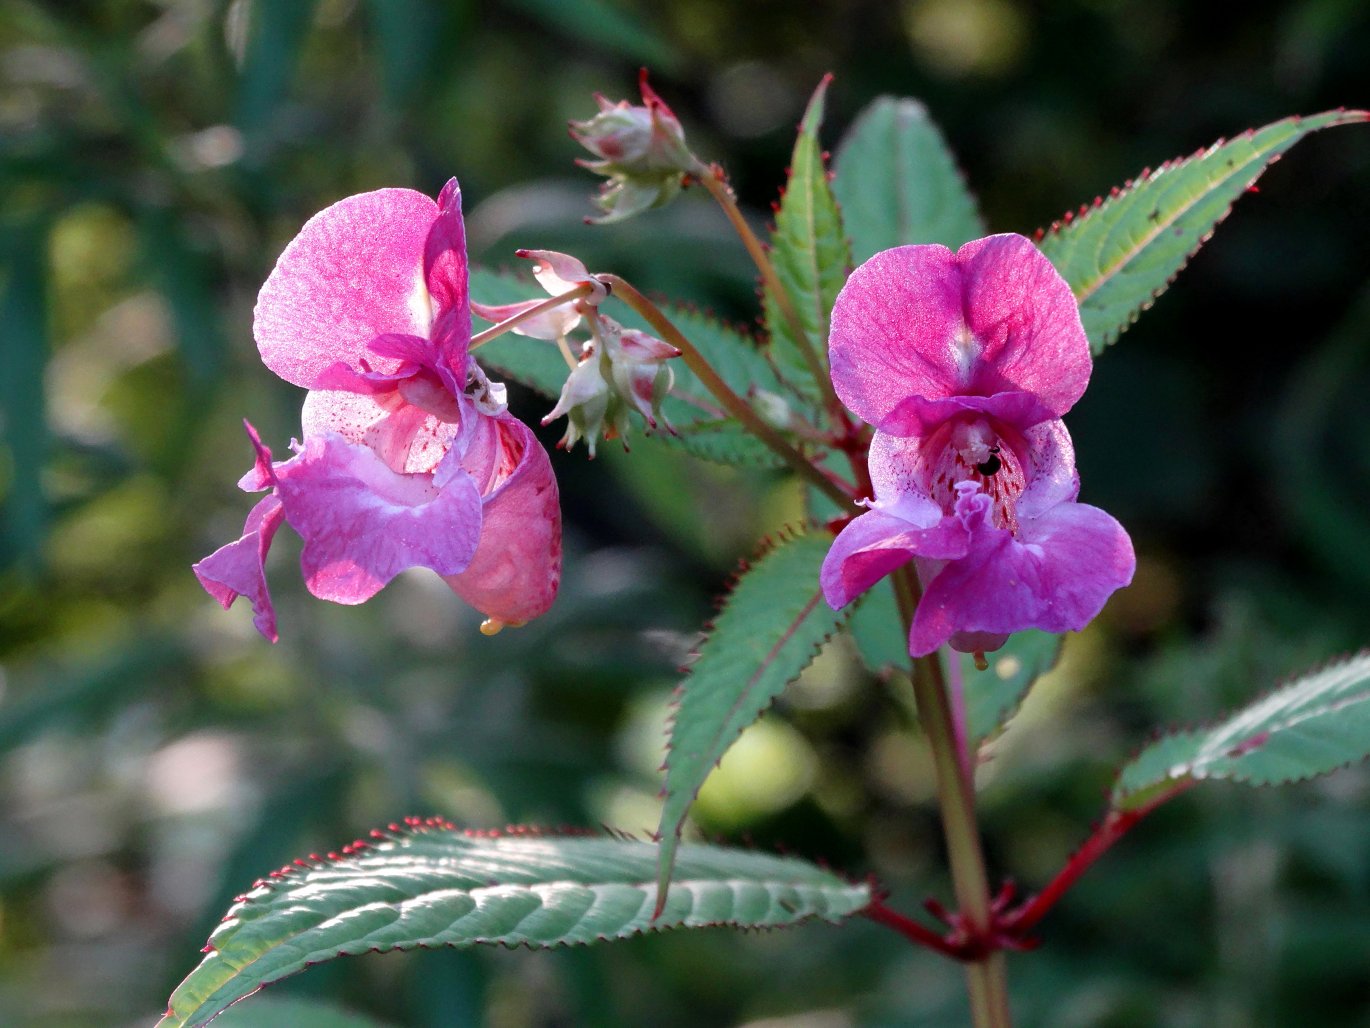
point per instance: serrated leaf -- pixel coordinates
(701, 425)
(809, 252)
(769, 631)
(1314, 725)
(434, 885)
(1121, 254)
(994, 695)
(898, 182)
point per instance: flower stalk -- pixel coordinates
(731, 402)
(713, 179)
(551, 303)
(985, 977)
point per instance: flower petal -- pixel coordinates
(355, 271)
(408, 438)
(875, 543)
(446, 276)
(236, 569)
(1025, 321)
(894, 324)
(1056, 576)
(514, 574)
(363, 524)
(922, 322)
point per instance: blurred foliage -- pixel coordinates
(156, 756)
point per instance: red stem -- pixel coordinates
(1114, 826)
(911, 929)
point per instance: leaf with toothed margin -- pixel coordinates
(430, 884)
(769, 630)
(810, 255)
(898, 182)
(994, 695)
(1121, 254)
(1316, 724)
(702, 427)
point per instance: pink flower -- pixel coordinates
(409, 457)
(964, 364)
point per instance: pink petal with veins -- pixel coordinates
(363, 524)
(1055, 575)
(355, 271)
(514, 574)
(237, 569)
(918, 323)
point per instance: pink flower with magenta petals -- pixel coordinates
(964, 363)
(409, 458)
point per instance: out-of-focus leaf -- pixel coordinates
(409, 34)
(297, 1013)
(810, 254)
(275, 36)
(1122, 253)
(80, 695)
(1321, 446)
(701, 426)
(1316, 724)
(23, 419)
(605, 26)
(183, 277)
(994, 695)
(769, 631)
(430, 884)
(898, 183)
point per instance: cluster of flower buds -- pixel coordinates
(640, 149)
(619, 370)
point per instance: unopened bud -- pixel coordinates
(640, 149)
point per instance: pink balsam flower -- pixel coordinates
(409, 457)
(964, 363)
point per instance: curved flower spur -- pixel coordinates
(409, 457)
(964, 363)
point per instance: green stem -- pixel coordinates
(713, 179)
(985, 978)
(731, 402)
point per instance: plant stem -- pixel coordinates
(713, 179)
(494, 331)
(985, 978)
(732, 403)
(1115, 825)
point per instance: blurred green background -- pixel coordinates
(156, 755)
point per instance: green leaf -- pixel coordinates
(182, 275)
(430, 884)
(1122, 253)
(769, 630)
(1314, 725)
(809, 252)
(275, 37)
(701, 425)
(297, 1013)
(606, 26)
(994, 695)
(898, 183)
(24, 314)
(878, 632)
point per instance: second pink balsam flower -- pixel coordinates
(964, 363)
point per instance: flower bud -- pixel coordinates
(641, 150)
(622, 370)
